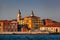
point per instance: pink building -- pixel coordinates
(13, 26)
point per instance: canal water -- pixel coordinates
(30, 37)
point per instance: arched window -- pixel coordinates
(56, 30)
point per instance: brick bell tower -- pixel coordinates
(18, 16)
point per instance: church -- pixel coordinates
(31, 21)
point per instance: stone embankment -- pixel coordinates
(24, 32)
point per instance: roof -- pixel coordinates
(33, 17)
(3, 20)
(54, 25)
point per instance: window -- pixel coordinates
(21, 22)
(43, 22)
(5, 27)
(5, 30)
(14, 26)
(35, 20)
(26, 21)
(8, 26)
(36, 25)
(0, 24)
(8, 30)
(0, 29)
(11, 30)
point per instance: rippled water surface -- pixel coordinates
(29, 37)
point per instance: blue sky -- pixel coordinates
(42, 8)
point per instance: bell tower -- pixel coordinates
(18, 16)
(32, 14)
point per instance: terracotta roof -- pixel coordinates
(52, 25)
(13, 20)
(3, 20)
(51, 20)
(33, 17)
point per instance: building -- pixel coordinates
(1, 26)
(8, 25)
(20, 21)
(50, 26)
(32, 21)
(4, 25)
(13, 26)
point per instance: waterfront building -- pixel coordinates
(50, 26)
(1, 26)
(20, 20)
(4, 24)
(13, 26)
(48, 22)
(32, 21)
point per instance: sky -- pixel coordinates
(42, 8)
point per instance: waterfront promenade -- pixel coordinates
(24, 32)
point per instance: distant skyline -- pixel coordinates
(42, 8)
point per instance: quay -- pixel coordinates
(24, 33)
